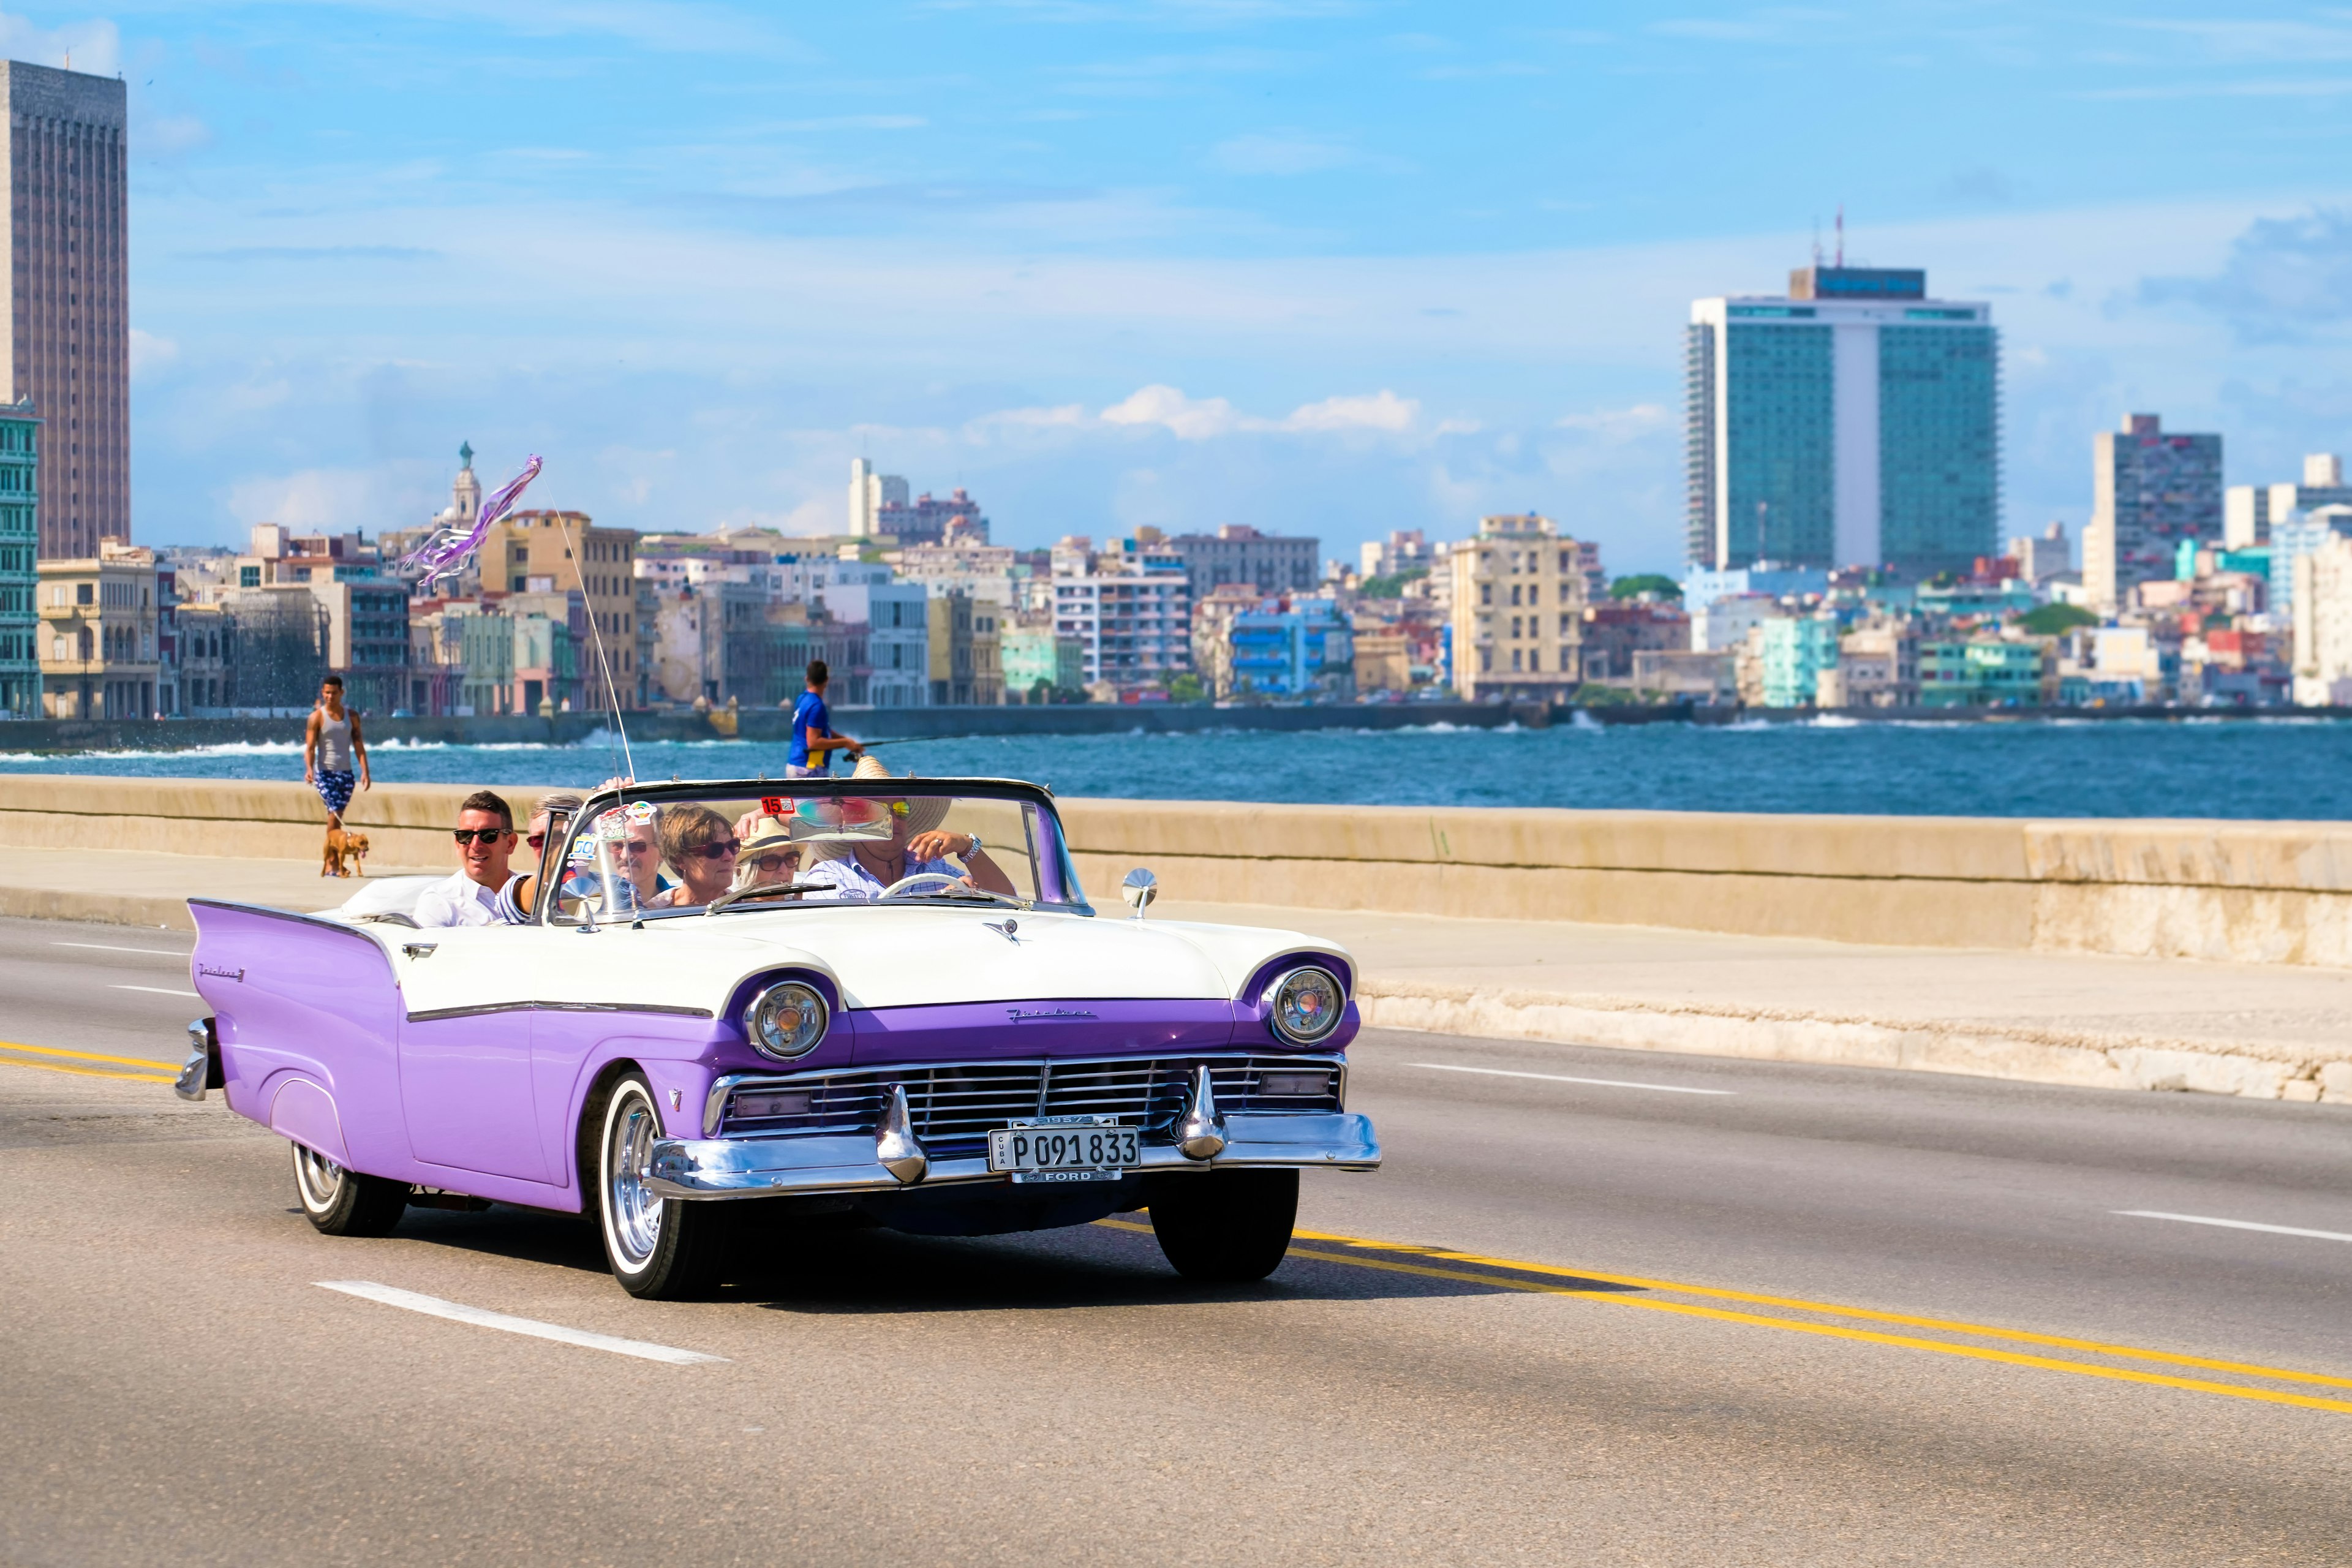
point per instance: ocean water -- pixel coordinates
(2222, 768)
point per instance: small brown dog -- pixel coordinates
(343, 845)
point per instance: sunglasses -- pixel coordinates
(726, 850)
(770, 863)
(537, 840)
(479, 835)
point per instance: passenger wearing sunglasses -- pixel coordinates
(702, 848)
(486, 846)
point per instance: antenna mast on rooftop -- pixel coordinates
(1840, 234)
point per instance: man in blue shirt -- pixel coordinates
(813, 741)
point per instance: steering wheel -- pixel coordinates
(940, 882)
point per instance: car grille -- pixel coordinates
(955, 1104)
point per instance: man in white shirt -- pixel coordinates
(486, 843)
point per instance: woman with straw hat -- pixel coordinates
(917, 847)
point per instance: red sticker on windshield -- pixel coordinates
(772, 804)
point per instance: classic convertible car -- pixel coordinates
(885, 1004)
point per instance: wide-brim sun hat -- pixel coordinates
(924, 813)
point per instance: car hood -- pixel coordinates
(901, 956)
(914, 957)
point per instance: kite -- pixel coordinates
(449, 550)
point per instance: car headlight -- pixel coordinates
(1304, 1005)
(786, 1021)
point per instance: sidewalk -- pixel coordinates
(2268, 1032)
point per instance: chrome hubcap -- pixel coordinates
(632, 1212)
(319, 1179)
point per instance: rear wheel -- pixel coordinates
(1225, 1226)
(659, 1248)
(345, 1203)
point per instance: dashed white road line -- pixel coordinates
(1559, 1077)
(108, 947)
(2235, 1224)
(481, 1317)
(158, 990)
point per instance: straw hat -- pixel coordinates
(924, 813)
(767, 833)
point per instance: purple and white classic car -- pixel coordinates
(884, 1003)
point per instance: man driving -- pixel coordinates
(917, 847)
(486, 845)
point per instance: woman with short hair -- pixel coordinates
(701, 847)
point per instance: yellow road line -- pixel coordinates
(85, 1072)
(150, 1065)
(1829, 1330)
(1981, 1330)
(1832, 1330)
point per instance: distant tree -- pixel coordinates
(1593, 694)
(1634, 587)
(1393, 586)
(2056, 620)
(1187, 688)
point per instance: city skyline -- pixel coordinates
(1160, 268)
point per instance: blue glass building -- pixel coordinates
(1855, 422)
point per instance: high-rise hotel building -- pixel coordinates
(1854, 422)
(68, 333)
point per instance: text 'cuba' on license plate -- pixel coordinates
(1064, 1149)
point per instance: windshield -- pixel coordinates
(686, 851)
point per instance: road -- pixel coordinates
(1809, 1316)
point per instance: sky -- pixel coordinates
(1334, 266)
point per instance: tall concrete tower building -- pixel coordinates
(2151, 489)
(1852, 422)
(67, 339)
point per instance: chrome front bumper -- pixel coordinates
(847, 1162)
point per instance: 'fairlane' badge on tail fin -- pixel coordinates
(1023, 1015)
(217, 973)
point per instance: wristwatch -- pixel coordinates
(976, 846)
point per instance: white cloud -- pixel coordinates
(150, 353)
(1061, 417)
(1619, 425)
(1199, 419)
(1186, 418)
(318, 497)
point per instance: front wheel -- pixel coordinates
(345, 1203)
(660, 1248)
(1225, 1226)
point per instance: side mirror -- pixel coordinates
(1140, 889)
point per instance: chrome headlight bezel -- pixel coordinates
(1281, 1015)
(787, 1020)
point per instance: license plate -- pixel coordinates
(1064, 1149)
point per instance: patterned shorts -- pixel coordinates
(335, 789)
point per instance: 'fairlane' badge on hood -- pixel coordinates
(1023, 1014)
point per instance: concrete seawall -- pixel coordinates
(2044, 950)
(2275, 893)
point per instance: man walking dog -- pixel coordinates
(330, 743)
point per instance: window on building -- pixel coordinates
(1486, 592)
(83, 594)
(1517, 655)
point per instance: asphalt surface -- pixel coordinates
(1821, 1316)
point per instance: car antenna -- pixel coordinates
(597, 632)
